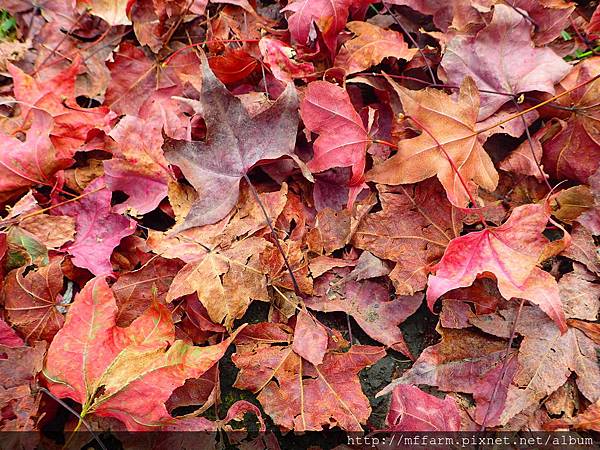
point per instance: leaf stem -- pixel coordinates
(274, 234)
(537, 163)
(76, 414)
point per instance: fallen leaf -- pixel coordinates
(53, 231)
(34, 302)
(138, 167)
(99, 230)
(587, 420)
(135, 291)
(583, 249)
(511, 253)
(413, 228)
(591, 219)
(235, 143)
(327, 110)
(370, 46)
(233, 66)
(296, 394)
(526, 158)
(226, 281)
(279, 58)
(484, 58)
(579, 293)
(413, 410)
(546, 358)
(105, 368)
(369, 304)
(571, 203)
(369, 266)
(310, 338)
(32, 162)
(591, 330)
(113, 11)
(448, 140)
(465, 361)
(574, 152)
(329, 16)
(8, 337)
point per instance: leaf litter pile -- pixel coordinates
(284, 217)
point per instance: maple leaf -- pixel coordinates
(235, 143)
(226, 281)
(369, 304)
(464, 361)
(279, 57)
(32, 162)
(99, 230)
(112, 371)
(135, 78)
(296, 394)
(329, 16)
(447, 147)
(486, 57)
(412, 229)
(546, 358)
(327, 110)
(413, 410)
(113, 11)
(370, 46)
(138, 168)
(19, 367)
(33, 301)
(574, 152)
(510, 252)
(135, 291)
(71, 123)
